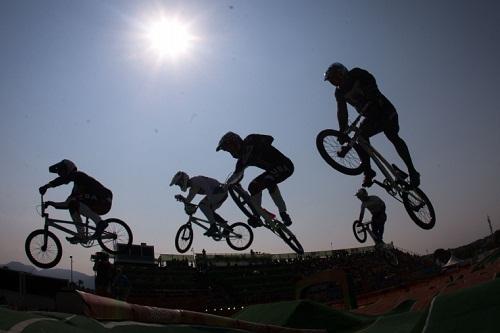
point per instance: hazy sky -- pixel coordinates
(78, 81)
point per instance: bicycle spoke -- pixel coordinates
(332, 147)
(115, 234)
(419, 207)
(38, 252)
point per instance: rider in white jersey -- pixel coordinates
(215, 195)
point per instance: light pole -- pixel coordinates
(71, 265)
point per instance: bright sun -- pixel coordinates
(169, 37)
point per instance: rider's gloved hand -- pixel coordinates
(43, 189)
(47, 204)
(343, 138)
(179, 197)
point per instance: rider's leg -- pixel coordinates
(367, 129)
(378, 222)
(279, 174)
(255, 188)
(90, 213)
(74, 211)
(275, 193)
(392, 133)
(207, 210)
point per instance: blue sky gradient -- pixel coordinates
(77, 82)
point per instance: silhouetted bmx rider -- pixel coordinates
(257, 150)
(376, 207)
(359, 88)
(215, 195)
(88, 197)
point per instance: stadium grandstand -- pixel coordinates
(354, 284)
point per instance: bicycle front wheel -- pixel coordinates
(43, 253)
(240, 237)
(289, 238)
(419, 207)
(242, 199)
(329, 146)
(184, 238)
(359, 231)
(116, 232)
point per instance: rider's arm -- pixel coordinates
(342, 114)
(240, 166)
(56, 182)
(235, 177)
(61, 180)
(58, 205)
(193, 190)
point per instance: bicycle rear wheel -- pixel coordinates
(43, 254)
(328, 146)
(359, 231)
(289, 238)
(184, 238)
(242, 199)
(419, 207)
(114, 233)
(240, 237)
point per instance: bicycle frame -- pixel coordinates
(273, 227)
(55, 223)
(200, 222)
(392, 183)
(196, 220)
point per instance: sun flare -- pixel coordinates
(169, 37)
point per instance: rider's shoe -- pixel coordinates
(254, 222)
(414, 179)
(286, 219)
(368, 180)
(75, 239)
(270, 216)
(212, 230)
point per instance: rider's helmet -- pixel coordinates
(229, 139)
(63, 168)
(362, 193)
(336, 70)
(181, 179)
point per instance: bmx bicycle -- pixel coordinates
(242, 200)
(238, 236)
(44, 249)
(345, 158)
(362, 230)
